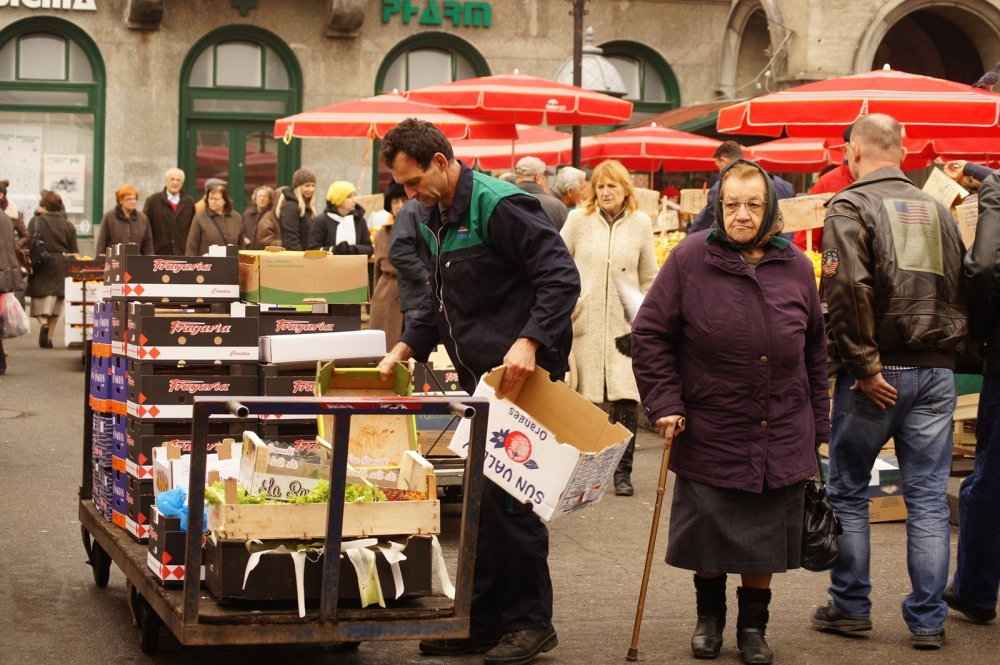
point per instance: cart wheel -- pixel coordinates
(149, 626)
(101, 563)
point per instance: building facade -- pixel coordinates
(98, 93)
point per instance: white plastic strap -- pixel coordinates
(299, 561)
(440, 569)
(394, 554)
(363, 560)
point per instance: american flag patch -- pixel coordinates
(912, 212)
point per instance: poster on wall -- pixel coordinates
(65, 175)
(21, 164)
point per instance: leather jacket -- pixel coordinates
(982, 274)
(892, 278)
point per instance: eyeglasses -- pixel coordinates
(131, 198)
(731, 206)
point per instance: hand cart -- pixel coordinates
(196, 618)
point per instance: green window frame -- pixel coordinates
(94, 91)
(648, 59)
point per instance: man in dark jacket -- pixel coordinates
(410, 256)
(170, 213)
(530, 174)
(503, 290)
(10, 272)
(977, 576)
(892, 282)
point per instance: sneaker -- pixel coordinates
(521, 646)
(925, 642)
(828, 618)
(457, 647)
(974, 614)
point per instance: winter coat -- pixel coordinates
(170, 228)
(59, 236)
(117, 229)
(268, 232)
(251, 218)
(982, 274)
(601, 251)
(324, 232)
(409, 254)
(741, 354)
(10, 271)
(386, 314)
(553, 207)
(295, 228)
(204, 233)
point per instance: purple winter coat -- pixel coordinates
(743, 356)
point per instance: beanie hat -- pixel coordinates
(394, 192)
(301, 177)
(339, 191)
(671, 191)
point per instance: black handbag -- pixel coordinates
(36, 248)
(820, 528)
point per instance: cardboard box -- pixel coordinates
(277, 320)
(282, 471)
(885, 490)
(167, 548)
(119, 328)
(102, 427)
(174, 278)
(74, 335)
(100, 383)
(73, 313)
(102, 322)
(139, 498)
(73, 291)
(546, 445)
(119, 445)
(142, 437)
(322, 346)
(280, 381)
(168, 393)
(193, 337)
(430, 381)
(119, 492)
(171, 469)
(102, 488)
(296, 277)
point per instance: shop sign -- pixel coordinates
(75, 5)
(468, 14)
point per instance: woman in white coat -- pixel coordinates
(609, 238)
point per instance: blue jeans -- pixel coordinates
(977, 577)
(921, 424)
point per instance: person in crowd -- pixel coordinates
(260, 204)
(342, 228)
(832, 181)
(731, 339)
(202, 204)
(509, 304)
(510, 177)
(6, 205)
(530, 172)
(170, 212)
(960, 169)
(10, 271)
(610, 239)
(410, 256)
(296, 209)
(387, 314)
(725, 154)
(40, 208)
(125, 224)
(570, 186)
(898, 321)
(268, 232)
(47, 287)
(219, 224)
(21, 237)
(976, 582)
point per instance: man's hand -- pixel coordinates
(670, 427)
(520, 362)
(399, 354)
(955, 169)
(878, 391)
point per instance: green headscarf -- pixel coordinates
(770, 226)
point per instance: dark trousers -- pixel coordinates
(3, 359)
(512, 589)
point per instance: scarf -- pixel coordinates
(345, 229)
(770, 226)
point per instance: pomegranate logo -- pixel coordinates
(192, 387)
(517, 446)
(174, 266)
(197, 327)
(303, 387)
(288, 325)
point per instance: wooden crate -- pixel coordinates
(964, 420)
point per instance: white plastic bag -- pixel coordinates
(15, 321)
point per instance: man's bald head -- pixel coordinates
(876, 142)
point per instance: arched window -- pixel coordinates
(650, 81)
(52, 117)
(236, 81)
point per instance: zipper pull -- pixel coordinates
(441, 306)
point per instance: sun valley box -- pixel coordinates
(291, 278)
(546, 445)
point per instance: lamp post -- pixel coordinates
(578, 13)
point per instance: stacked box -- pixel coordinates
(163, 393)
(119, 487)
(101, 439)
(102, 330)
(77, 321)
(102, 489)
(196, 335)
(142, 437)
(118, 391)
(167, 548)
(100, 383)
(176, 279)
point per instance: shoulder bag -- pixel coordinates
(821, 527)
(36, 247)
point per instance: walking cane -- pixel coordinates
(633, 652)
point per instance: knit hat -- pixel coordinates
(339, 191)
(394, 192)
(671, 191)
(301, 177)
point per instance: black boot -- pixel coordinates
(751, 625)
(624, 412)
(711, 594)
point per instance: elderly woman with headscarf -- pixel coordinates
(731, 338)
(342, 229)
(386, 312)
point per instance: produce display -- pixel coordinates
(666, 242)
(817, 260)
(215, 494)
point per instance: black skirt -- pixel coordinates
(717, 530)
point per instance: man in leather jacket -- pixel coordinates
(892, 283)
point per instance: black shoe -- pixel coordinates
(973, 614)
(928, 642)
(457, 647)
(707, 639)
(623, 484)
(521, 646)
(753, 647)
(43, 336)
(828, 618)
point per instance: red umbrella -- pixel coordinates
(984, 151)
(548, 145)
(651, 148)
(927, 107)
(799, 155)
(374, 116)
(525, 99)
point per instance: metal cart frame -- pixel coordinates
(196, 618)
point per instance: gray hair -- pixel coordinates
(174, 170)
(507, 177)
(568, 178)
